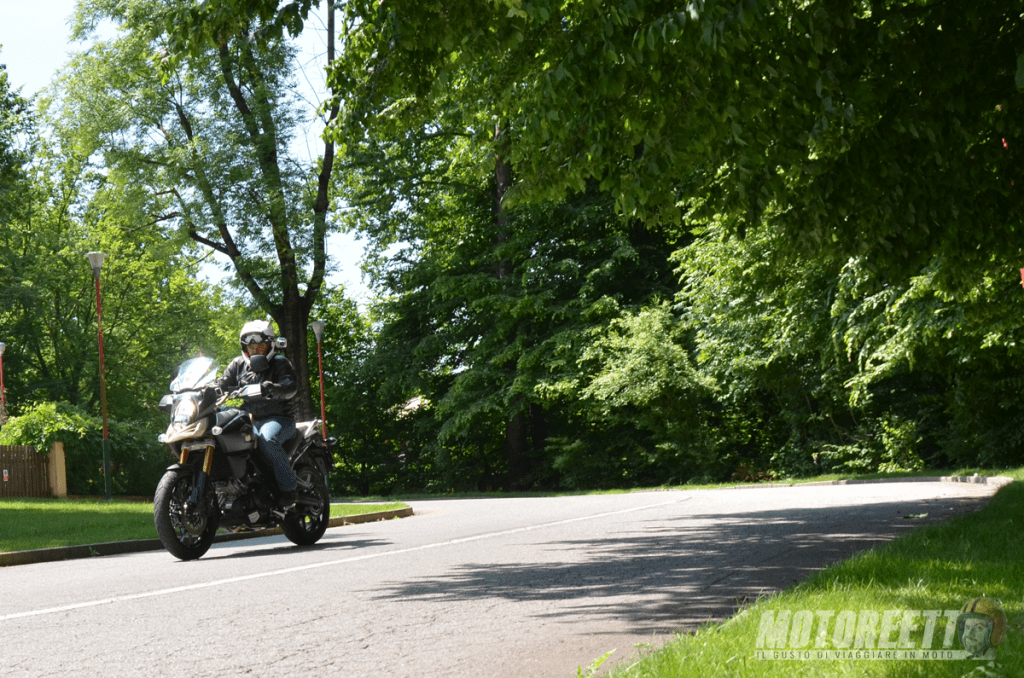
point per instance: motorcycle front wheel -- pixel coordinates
(312, 512)
(186, 531)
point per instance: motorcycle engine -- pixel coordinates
(228, 492)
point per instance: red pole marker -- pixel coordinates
(318, 330)
(3, 398)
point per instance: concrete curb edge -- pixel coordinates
(138, 545)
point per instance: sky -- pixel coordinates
(34, 44)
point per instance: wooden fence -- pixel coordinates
(27, 473)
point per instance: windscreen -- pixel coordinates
(194, 374)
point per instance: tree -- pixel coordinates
(13, 122)
(201, 137)
(856, 128)
(855, 131)
(871, 148)
(381, 431)
(16, 123)
(825, 365)
(155, 311)
(763, 331)
(56, 207)
(483, 348)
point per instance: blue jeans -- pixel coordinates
(271, 434)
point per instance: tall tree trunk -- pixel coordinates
(517, 425)
(515, 449)
(292, 320)
(538, 430)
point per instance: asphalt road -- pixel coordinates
(487, 587)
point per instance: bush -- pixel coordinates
(888, 446)
(137, 460)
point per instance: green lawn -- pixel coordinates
(938, 567)
(27, 524)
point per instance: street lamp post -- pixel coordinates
(96, 260)
(318, 330)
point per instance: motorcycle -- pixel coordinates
(221, 480)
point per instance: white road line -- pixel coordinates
(313, 566)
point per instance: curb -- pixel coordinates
(139, 545)
(995, 481)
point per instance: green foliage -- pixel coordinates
(845, 329)
(729, 109)
(899, 438)
(192, 27)
(802, 345)
(155, 312)
(16, 124)
(761, 325)
(841, 366)
(379, 435)
(195, 130)
(137, 460)
(594, 666)
(498, 355)
(649, 413)
(836, 184)
(47, 423)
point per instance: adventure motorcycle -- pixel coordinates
(221, 480)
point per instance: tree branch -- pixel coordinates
(323, 204)
(241, 105)
(262, 132)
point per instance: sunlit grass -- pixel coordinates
(27, 524)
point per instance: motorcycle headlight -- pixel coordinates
(185, 411)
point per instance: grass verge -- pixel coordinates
(27, 524)
(937, 567)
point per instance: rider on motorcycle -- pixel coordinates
(273, 418)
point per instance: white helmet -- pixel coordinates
(257, 338)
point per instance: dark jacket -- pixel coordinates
(279, 385)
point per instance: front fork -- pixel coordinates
(200, 486)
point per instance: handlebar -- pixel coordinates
(250, 392)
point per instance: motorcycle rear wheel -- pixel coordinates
(186, 532)
(312, 513)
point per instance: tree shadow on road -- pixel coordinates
(673, 574)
